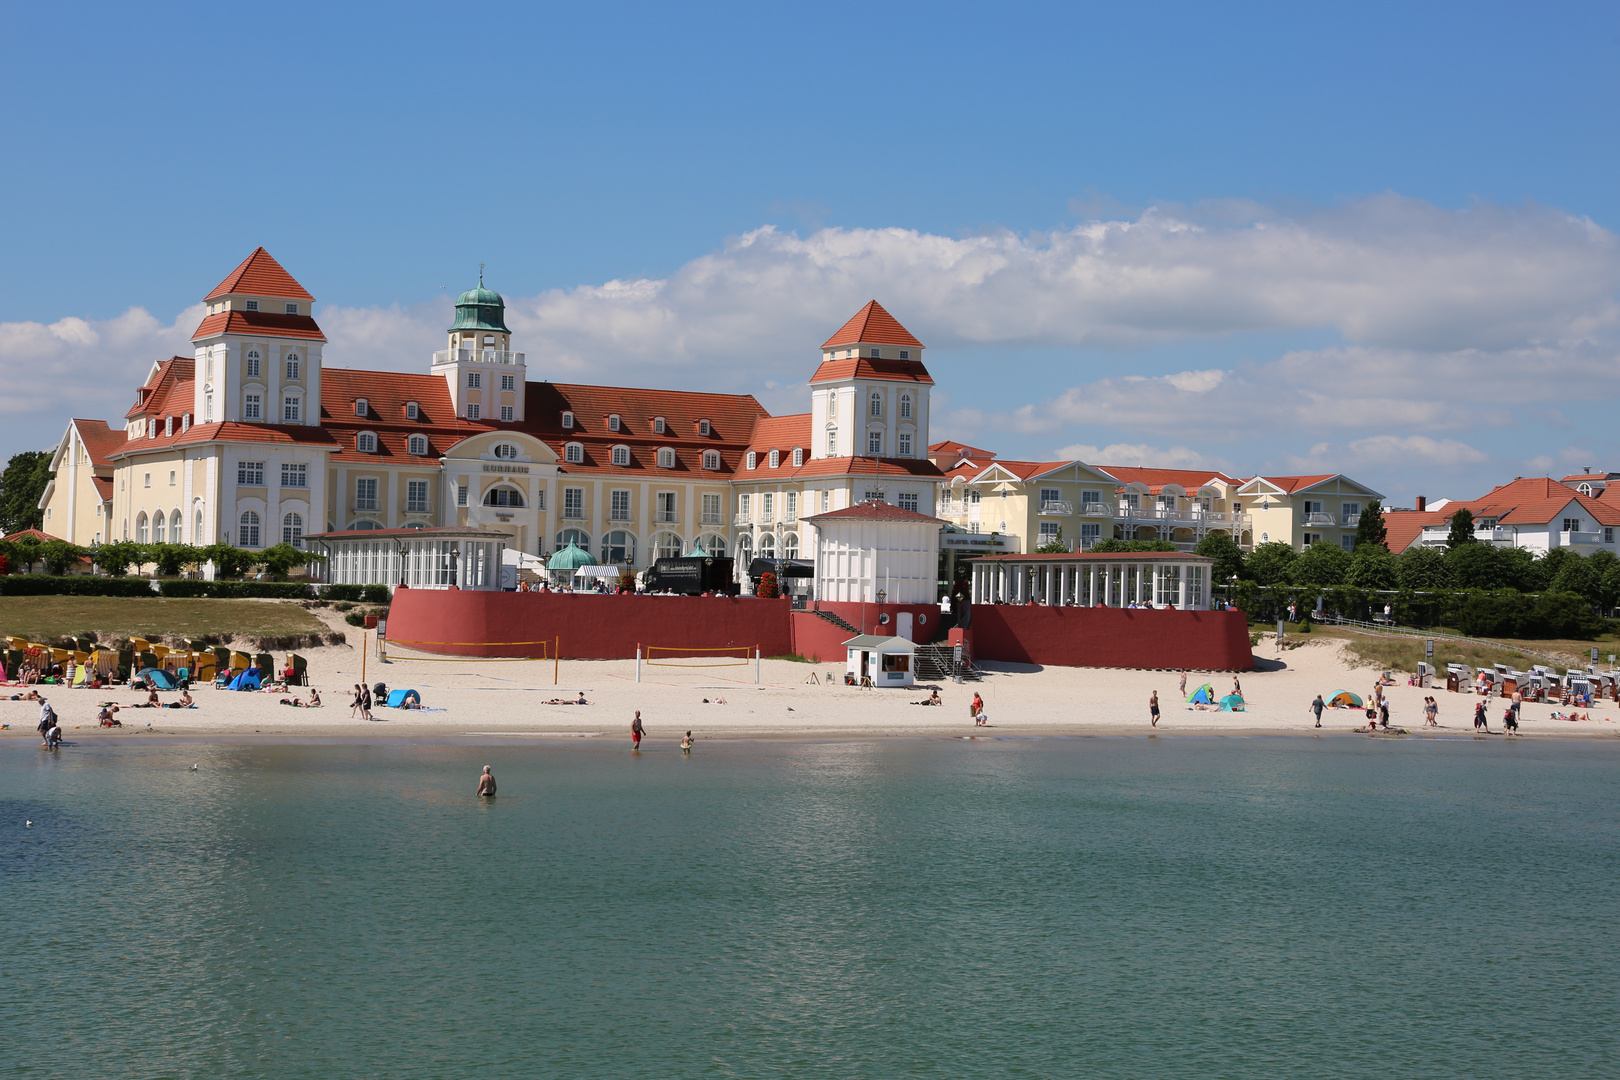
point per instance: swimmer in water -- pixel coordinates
(486, 783)
(686, 744)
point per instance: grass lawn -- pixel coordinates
(51, 617)
(1404, 653)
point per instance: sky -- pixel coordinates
(1373, 239)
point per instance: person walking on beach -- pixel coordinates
(1153, 708)
(365, 703)
(1316, 707)
(486, 783)
(356, 702)
(1383, 712)
(1184, 686)
(1431, 712)
(1480, 719)
(47, 720)
(636, 731)
(976, 707)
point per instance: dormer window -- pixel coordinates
(613, 422)
(666, 458)
(621, 455)
(776, 459)
(366, 442)
(253, 305)
(292, 308)
(875, 353)
(798, 456)
(361, 406)
(658, 425)
(574, 453)
(703, 428)
(752, 460)
(412, 411)
(417, 444)
(185, 422)
(568, 420)
(711, 459)
(168, 425)
(905, 354)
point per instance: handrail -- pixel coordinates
(1392, 630)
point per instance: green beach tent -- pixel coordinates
(1204, 695)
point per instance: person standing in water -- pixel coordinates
(636, 731)
(486, 782)
(1153, 707)
(686, 744)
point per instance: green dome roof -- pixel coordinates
(570, 558)
(480, 309)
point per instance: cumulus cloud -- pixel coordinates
(1141, 455)
(1411, 451)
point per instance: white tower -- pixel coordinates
(869, 397)
(258, 350)
(485, 377)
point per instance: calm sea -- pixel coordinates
(1023, 908)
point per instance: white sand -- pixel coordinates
(476, 699)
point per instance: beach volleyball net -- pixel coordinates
(685, 656)
(394, 649)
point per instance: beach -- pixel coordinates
(476, 698)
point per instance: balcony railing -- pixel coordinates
(1096, 509)
(1056, 507)
(620, 515)
(1569, 539)
(417, 507)
(573, 513)
(667, 517)
(478, 356)
(714, 519)
(1319, 519)
(743, 518)
(1352, 520)
(365, 504)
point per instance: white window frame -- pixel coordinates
(905, 406)
(776, 459)
(366, 442)
(620, 456)
(412, 410)
(508, 412)
(362, 407)
(294, 474)
(248, 474)
(711, 459)
(567, 420)
(876, 400)
(659, 425)
(704, 428)
(614, 423)
(292, 367)
(474, 412)
(752, 461)
(909, 500)
(414, 505)
(798, 456)
(508, 382)
(505, 451)
(291, 308)
(417, 445)
(904, 448)
(665, 458)
(292, 409)
(574, 453)
(475, 380)
(250, 305)
(252, 371)
(619, 504)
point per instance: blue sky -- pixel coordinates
(1443, 176)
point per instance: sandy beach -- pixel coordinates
(478, 699)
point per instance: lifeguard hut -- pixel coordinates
(886, 661)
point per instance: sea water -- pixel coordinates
(1173, 907)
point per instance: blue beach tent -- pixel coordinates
(398, 698)
(1204, 695)
(1231, 703)
(157, 677)
(247, 680)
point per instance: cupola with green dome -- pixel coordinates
(480, 310)
(485, 377)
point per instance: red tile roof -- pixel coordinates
(258, 324)
(387, 393)
(1157, 479)
(231, 431)
(99, 439)
(35, 533)
(1026, 470)
(865, 367)
(104, 487)
(260, 275)
(155, 391)
(949, 448)
(782, 433)
(731, 424)
(1533, 500)
(1291, 484)
(872, 326)
(1403, 527)
(874, 511)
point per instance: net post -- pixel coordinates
(556, 661)
(756, 663)
(638, 661)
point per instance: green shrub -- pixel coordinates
(375, 594)
(47, 585)
(355, 618)
(342, 592)
(235, 590)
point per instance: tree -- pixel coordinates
(1475, 566)
(168, 558)
(59, 555)
(1268, 563)
(1132, 545)
(1054, 546)
(1423, 568)
(1578, 576)
(1227, 555)
(1462, 528)
(282, 557)
(21, 486)
(117, 557)
(1370, 529)
(1321, 564)
(228, 561)
(27, 550)
(1372, 567)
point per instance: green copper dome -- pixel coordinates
(570, 558)
(480, 309)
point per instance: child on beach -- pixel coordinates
(636, 731)
(1153, 707)
(686, 744)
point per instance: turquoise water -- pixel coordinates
(1019, 908)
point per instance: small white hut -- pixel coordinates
(887, 661)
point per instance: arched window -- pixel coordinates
(767, 545)
(417, 444)
(798, 456)
(905, 406)
(247, 530)
(366, 442)
(621, 455)
(619, 546)
(140, 527)
(877, 403)
(412, 410)
(252, 364)
(364, 526)
(753, 460)
(666, 458)
(714, 544)
(1585, 489)
(790, 546)
(292, 365)
(711, 459)
(658, 425)
(577, 537)
(776, 459)
(745, 548)
(197, 529)
(669, 545)
(503, 496)
(292, 530)
(174, 528)
(574, 453)
(160, 530)
(613, 421)
(362, 407)
(506, 451)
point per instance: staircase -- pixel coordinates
(836, 620)
(937, 662)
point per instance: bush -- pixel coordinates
(235, 590)
(342, 592)
(46, 585)
(355, 618)
(375, 594)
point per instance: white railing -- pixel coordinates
(714, 519)
(571, 513)
(667, 517)
(478, 356)
(743, 518)
(1567, 539)
(1055, 507)
(1352, 520)
(1096, 509)
(620, 515)
(1319, 519)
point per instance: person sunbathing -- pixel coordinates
(151, 701)
(314, 698)
(931, 699)
(32, 695)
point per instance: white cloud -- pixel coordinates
(1143, 455)
(1411, 451)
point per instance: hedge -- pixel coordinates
(72, 585)
(235, 590)
(1477, 613)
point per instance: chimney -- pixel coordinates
(1588, 468)
(1422, 502)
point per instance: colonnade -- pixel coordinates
(1092, 582)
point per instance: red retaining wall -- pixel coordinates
(1113, 637)
(589, 627)
(814, 636)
